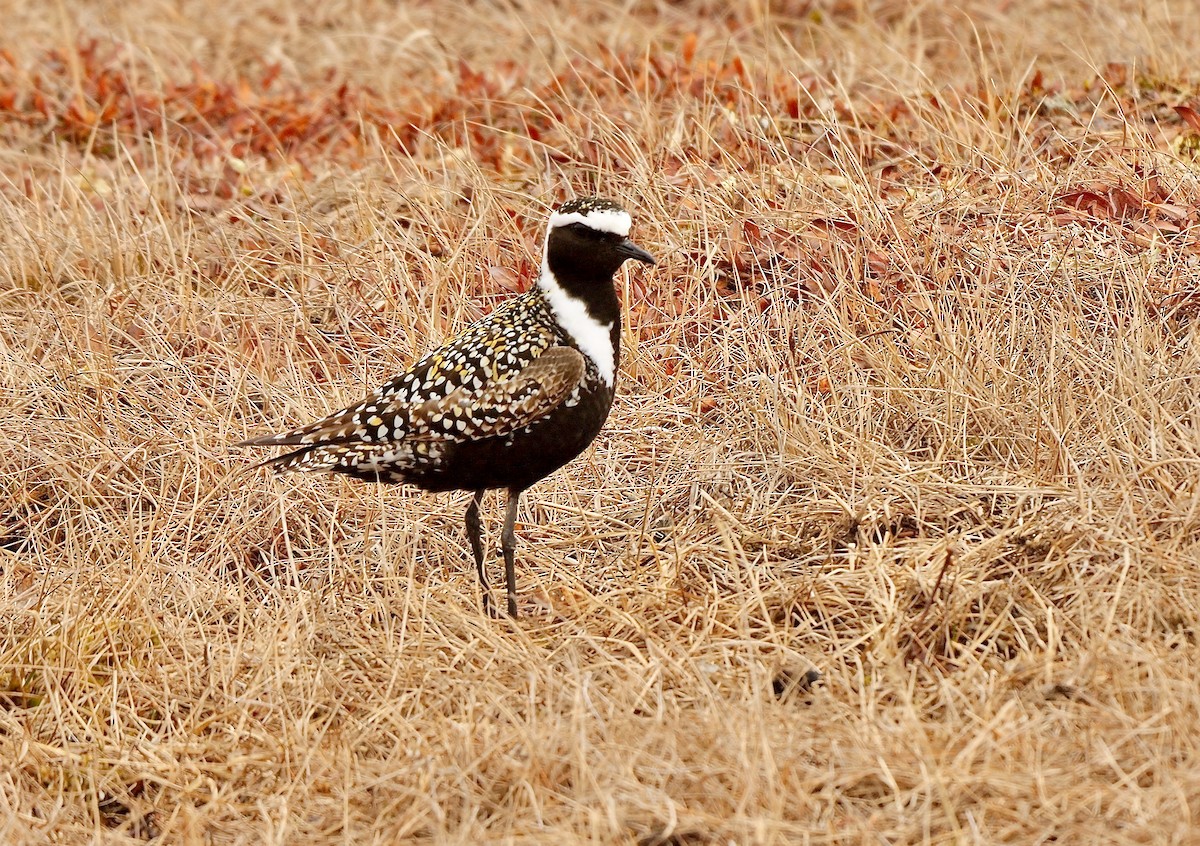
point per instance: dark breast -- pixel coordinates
(524, 457)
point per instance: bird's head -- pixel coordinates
(588, 238)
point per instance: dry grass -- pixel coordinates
(892, 409)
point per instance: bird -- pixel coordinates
(503, 404)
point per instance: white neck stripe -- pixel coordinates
(593, 338)
(615, 221)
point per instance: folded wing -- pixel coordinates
(390, 433)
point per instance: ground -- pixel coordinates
(893, 535)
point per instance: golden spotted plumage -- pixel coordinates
(479, 367)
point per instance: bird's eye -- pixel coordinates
(584, 230)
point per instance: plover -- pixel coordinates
(505, 403)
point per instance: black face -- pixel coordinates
(577, 252)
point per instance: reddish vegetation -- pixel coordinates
(90, 98)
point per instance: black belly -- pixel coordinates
(522, 458)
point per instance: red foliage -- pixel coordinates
(97, 97)
(94, 97)
(1145, 209)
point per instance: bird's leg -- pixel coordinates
(477, 548)
(508, 543)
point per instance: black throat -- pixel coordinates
(586, 275)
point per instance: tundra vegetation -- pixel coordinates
(910, 400)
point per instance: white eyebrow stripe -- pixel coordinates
(602, 220)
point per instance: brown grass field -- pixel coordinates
(911, 400)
